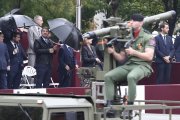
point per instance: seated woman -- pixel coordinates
(89, 59)
(88, 54)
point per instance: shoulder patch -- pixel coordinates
(152, 42)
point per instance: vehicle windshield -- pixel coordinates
(67, 116)
(16, 113)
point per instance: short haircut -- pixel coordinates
(45, 27)
(16, 33)
(162, 25)
(37, 17)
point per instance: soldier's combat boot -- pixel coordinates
(111, 112)
(127, 114)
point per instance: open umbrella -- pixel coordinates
(13, 11)
(66, 32)
(19, 20)
(10, 23)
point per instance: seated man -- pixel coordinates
(138, 65)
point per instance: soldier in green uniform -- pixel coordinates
(138, 65)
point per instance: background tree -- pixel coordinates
(49, 9)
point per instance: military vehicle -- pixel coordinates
(117, 31)
(59, 107)
(45, 107)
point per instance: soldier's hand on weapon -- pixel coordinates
(130, 51)
(111, 50)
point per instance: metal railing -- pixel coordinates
(160, 105)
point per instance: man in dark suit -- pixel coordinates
(164, 53)
(67, 63)
(17, 56)
(44, 50)
(4, 62)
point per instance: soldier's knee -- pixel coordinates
(131, 78)
(107, 77)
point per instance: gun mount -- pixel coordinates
(121, 29)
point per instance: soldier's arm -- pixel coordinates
(147, 55)
(118, 56)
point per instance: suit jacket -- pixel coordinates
(177, 48)
(66, 57)
(16, 58)
(88, 56)
(41, 49)
(33, 34)
(4, 56)
(163, 49)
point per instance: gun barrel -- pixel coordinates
(99, 32)
(147, 20)
(158, 17)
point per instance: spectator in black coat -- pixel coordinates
(4, 62)
(88, 53)
(67, 64)
(44, 50)
(17, 56)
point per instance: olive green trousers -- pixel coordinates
(131, 72)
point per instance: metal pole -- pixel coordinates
(78, 14)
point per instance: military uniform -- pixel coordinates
(133, 70)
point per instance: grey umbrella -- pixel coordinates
(66, 32)
(13, 11)
(20, 20)
(10, 23)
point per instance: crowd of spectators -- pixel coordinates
(41, 49)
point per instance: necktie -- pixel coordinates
(91, 49)
(16, 47)
(69, 50)
(165, 39)
(39, 31)
(46, 40)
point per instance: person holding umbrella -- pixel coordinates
(44, 50)
(66, 31)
